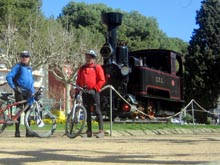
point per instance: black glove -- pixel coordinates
(18, 90)
(91, 91)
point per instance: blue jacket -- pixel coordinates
(25, 79)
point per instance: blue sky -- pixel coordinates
(175, 17)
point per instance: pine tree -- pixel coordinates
(202, 63)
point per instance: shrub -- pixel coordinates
(188, 118)
(60, 116)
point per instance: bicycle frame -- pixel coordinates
(77, 118)
(10, 117)
(78, 99)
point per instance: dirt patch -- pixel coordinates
(147, 149)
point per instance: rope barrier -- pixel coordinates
(133, 108)
(199, 106)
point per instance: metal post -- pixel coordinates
(193, 119)
(110, 111)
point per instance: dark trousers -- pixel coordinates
(19, 96)
(90, 100)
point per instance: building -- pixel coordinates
(4, 87)
(54, 90)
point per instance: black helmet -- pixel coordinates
(91, 53)
(25, 53)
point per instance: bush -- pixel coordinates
(188, 118)
(61, 118)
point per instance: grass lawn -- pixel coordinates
(135, 126)
(143, 126)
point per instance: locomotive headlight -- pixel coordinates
(125, 70)
(106, 50)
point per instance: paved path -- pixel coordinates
(180, 149)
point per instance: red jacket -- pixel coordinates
(91, 76)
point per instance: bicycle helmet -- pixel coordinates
(91, 53)
(25, 53)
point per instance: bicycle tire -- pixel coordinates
(74, 126)
(40, 122)
(3, 124)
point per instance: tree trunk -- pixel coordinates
(68, 100)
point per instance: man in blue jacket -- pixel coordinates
(21, 80)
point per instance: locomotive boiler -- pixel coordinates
(150, 80)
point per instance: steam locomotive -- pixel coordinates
(150, 80)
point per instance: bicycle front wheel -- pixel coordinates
(40, 122)
(76, 122)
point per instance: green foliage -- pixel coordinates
(188, 118)
(143, 126)
(135, 126)
(17, 11)
(22, 26)
(209, 120)
(83, 15)
(202, 61)
(138, 31)
(16, 20)
(62, 42)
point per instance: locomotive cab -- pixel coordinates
(157, 77)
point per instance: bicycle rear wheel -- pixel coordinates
(2, 121)
(75, 123)
(40, 122)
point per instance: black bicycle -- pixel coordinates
(76, 119)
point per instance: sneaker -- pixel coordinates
(17, 134)
(100, 134)
(40, 123)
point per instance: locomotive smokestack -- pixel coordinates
(112, 20)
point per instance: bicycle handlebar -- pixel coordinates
(38, 94)
(79, 88)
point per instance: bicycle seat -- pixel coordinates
(6, 96)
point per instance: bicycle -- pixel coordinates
(76, 119)
(38, 121)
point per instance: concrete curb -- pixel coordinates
(161, 132)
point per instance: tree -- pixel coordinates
(138, 31)
(202, 81)
(49, 42)
(17, 12)
(17, 17)
(83, 15)
(69, 47)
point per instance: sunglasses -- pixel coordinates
(25, 56)
(89, 57)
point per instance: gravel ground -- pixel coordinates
(121, 148)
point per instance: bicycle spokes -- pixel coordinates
(40, 122)
(76, 121)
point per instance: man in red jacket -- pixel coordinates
(91, 76)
